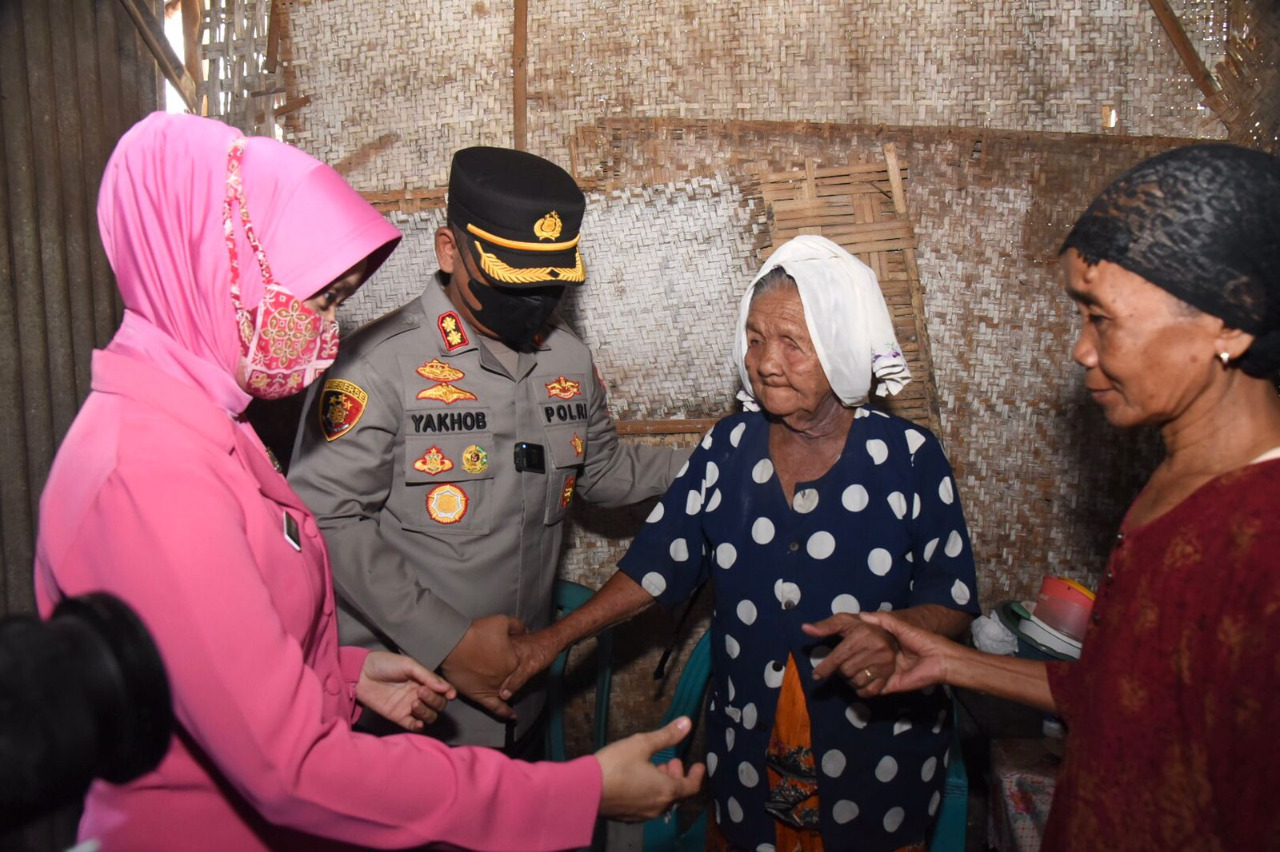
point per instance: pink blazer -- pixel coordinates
(158, 497)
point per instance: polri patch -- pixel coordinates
(341, 405)
(433, 461)
(447, 504)
(566, 495)
(451, 331)
(563, 388)
(578, 444)
(475, 459)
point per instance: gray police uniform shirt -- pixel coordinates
(406, 457)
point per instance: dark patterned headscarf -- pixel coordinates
(1203, 223)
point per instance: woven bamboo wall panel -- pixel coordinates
(397, 86)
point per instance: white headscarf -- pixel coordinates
(845, 313)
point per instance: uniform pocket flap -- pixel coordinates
(566, 444)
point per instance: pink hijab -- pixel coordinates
(160, 214)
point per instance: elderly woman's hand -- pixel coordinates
(866, 656)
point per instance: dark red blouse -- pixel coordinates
(1173, 709)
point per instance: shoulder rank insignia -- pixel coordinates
(433, 461)
(341, 404)
(451, 331)
(578, 444)
(548, 227)
(475, 459)
(567, 494)
(563, 388)
(447, 504)
(444, 375)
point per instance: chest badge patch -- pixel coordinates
(566, 494)
(433, 461)
(451, 331)
(578, 444)
(447, 504)
(475, 459)
(341, 404)
(563, 388)
(444, 375)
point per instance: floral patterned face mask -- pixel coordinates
(285, 344)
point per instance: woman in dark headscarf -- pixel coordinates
(1173, 707)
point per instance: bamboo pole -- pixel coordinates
(520, 80)
(1195, 65)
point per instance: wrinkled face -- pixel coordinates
(786, 376)
(1148, 357)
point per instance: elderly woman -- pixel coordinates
(1173, 708)
(810, 506)
(231, 254)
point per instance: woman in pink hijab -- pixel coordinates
(231, 254)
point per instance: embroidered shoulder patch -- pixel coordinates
(451, 331)
(563, 388)
(433, 461)
(567, 494)
(447, 504)
(341, 404)
(578, 444)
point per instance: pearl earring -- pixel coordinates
(1225, 358)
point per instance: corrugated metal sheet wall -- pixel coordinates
(74, 75)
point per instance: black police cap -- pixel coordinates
(522, 214)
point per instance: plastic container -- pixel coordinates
(1064, 605)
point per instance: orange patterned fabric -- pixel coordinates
(1174, 707)
(791, 751)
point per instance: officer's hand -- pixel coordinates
(401, 689)
(482, 660)
(635, 789)
(535, 652)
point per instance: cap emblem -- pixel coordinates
(548, 227)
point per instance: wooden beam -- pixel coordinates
(1190, 58)
(192, 18)
(153, 36)
(665, 427)
(273, 37)
(520, 78)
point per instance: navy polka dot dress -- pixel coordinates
(881, 530)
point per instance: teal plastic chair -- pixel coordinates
(953, 814)
(567, 597)
(662, 834)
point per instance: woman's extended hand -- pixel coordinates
(921, 657)
(401, 689)
(866, 656)
(634, 789)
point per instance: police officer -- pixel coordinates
(441, 453)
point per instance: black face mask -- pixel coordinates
(514, 315)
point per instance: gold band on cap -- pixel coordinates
(520, 246)
(498, 270)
